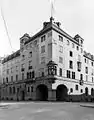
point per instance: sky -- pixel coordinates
(27, 16)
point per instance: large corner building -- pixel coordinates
(51, 65)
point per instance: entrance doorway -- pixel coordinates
(61, 93)
(42, 93)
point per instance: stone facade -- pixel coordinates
(51, 65)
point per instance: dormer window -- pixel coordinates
(77, 47)
(60, 38)
(43, 38)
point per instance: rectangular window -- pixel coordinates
(71, 64)
(16, 68)
(43, 38)
(60, 71)
(78, 66)
(68, 74)
(6, 79)
(60, 38)
(50, 50)
(23, 57)
(86, 70)
(30, 54)
(92, 63)
(86, 77)
(71, 54)
(42, 60)
(81, 76)
(79, 58)
(60, 49)
(7, 71)
(16, 77)
(92, 79)
(60, 60)
(11, 78)
(50, 34)
(73, 75)
(43, 49)
(22, 76)
(31, 88)
(76, 87)
(11, 70)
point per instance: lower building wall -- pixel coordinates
(54, 90)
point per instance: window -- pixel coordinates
(71, 90)
(22, 67)
(78, 66)
(11, 78)
(86, 77)
(86, 70)
(85, 60)
(31, 88)
(7, 79)
(60, 71)
(30, 54)
(81, 76)
(28, 89)
(60, 49)
(11, 70)
(30, 62)
(50, 34)
(43, 49)
(81, 90)
(33, 74)
(68, 42)
(22, 76)
(71, 64)
(42, 74)
(81, 50)
(10, 90)
(23, 57)
(49, 50)
(60, 38)
(92, 79)
(79, 58)
(68, 74)
(16, 77)
(71, 53)
(77, 47)
(92, 63)
(73, 75)
(3, 80)
(16, 68)
(42, 60)
(43, 38)
(13, 90)
(7, 71)
(60, 60)
(73, 45)
(76, 87)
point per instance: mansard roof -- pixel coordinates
(12, 56)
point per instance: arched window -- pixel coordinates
(76, 87)
(86, 91)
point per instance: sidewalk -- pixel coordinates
(89, 105)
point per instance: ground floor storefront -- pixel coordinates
(47, 90)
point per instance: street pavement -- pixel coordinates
(46, 111)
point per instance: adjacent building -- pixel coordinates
(51, 65)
